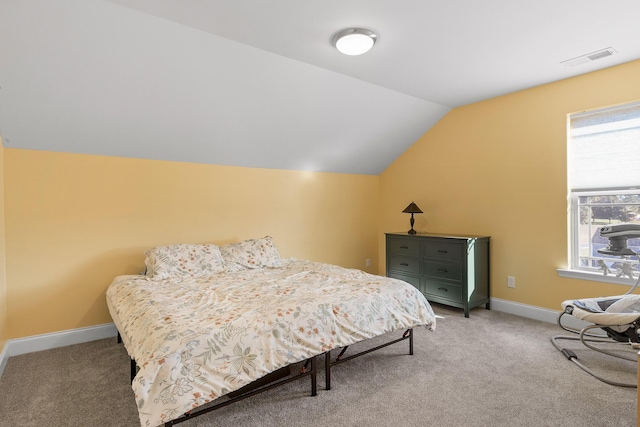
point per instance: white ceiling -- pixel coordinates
(257, 83)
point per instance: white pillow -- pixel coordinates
(250, 254)
(183, 260)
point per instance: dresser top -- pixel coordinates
(440, 235)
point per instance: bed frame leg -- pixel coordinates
(409, 333)
(134, 369)
(314, 377)
(327, 370)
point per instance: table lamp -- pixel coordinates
(412, 209)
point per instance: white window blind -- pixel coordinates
(604, 149)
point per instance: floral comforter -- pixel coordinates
(199, 339)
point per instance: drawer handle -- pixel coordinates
(404, 247)
(443, 270)
(404, 264)
(443, 289)
(442, 251)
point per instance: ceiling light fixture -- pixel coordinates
(354, 41)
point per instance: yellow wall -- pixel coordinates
(3, 269)
(73, 222)
(498, 168)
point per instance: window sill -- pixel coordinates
(596, 277)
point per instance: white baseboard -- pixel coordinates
(524, 310)
(536, 313)
(4, 356)
(77, 336)
(34, 343)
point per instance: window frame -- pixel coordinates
(573, 269)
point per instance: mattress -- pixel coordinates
(198, 339)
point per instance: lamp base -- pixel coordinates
(411, 221)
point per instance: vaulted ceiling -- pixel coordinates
(256, 83)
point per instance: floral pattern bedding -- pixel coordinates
(203, 337)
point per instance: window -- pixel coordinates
(604, 184)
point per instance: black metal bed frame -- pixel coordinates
(328, 363)
(303, 373)
(274, 379)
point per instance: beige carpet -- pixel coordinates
(492, 369)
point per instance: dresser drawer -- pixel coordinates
(400, 246)
(404, 264)
(443, 250)
(412, 280)
(443, 270)
(443, 290)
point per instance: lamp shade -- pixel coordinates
(412, 208)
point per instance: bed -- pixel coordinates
(207, 321)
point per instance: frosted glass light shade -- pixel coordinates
(354, 41)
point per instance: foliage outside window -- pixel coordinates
(604, 185)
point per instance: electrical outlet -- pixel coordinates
(367, 262)
(511, 282)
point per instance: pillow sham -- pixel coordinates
(250, 254)
(183, 260)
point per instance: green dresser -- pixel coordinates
(447, 269)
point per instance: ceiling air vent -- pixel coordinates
(599, 54)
